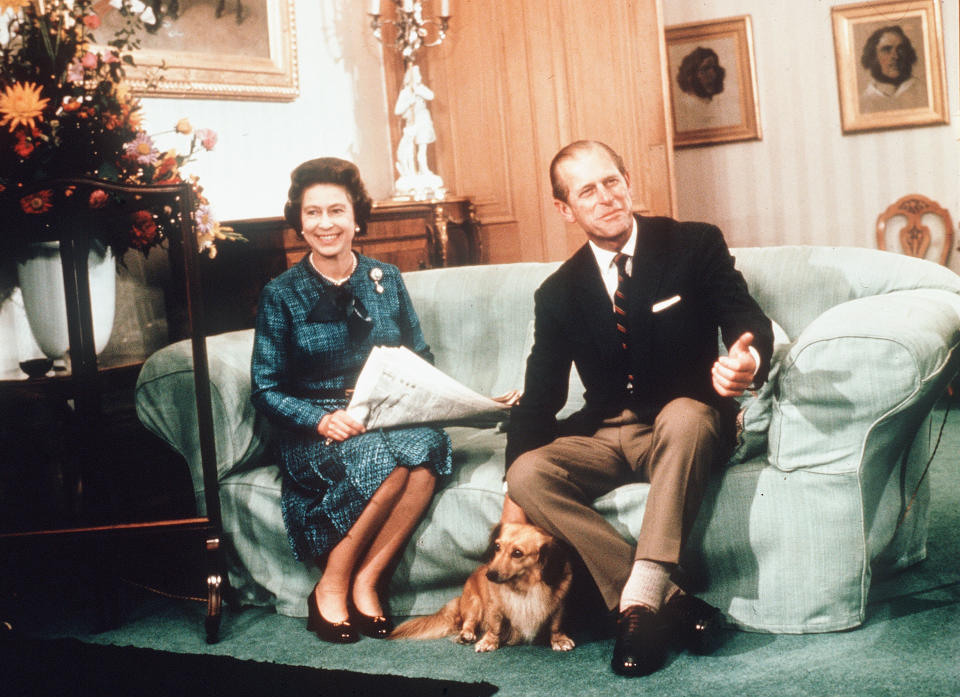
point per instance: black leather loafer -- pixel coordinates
(640, 648)
(334, 632)
(698, 625)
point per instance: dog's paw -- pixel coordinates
(466, 637)
(561, 642)
(487, 643)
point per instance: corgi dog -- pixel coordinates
(516, 597)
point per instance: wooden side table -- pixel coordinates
(87, 380)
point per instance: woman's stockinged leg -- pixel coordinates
(391, 539)
(334, 586)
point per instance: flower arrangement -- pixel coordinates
(65, 112)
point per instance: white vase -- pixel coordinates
(41, 283)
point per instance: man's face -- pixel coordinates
(890, 55)
(598, 198)
(707, 74)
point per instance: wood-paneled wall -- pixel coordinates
(515, 81)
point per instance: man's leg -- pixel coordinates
(687, 440)
(556, 485)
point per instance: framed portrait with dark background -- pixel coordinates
(890, 66)
(713, 82)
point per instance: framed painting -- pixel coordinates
(713, 82)
(890, 66)
(221, 49)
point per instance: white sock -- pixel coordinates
(649, 584)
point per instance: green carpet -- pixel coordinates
(909, 644)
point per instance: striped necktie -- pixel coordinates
(620, 313)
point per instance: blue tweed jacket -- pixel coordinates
(298, 351)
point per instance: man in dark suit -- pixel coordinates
(637, 310)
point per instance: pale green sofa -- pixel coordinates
(789, 535)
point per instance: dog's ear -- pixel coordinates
(488, 555)
(553, 560)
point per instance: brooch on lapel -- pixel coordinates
(376, 274)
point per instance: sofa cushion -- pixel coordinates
(853, 368)
(166, 403)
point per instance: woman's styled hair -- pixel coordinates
(327, 170)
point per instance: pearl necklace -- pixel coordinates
(353, 267)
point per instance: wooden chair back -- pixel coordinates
(926, 224)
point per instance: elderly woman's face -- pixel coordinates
(326, 215)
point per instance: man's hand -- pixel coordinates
(338, 426)
(733, 373)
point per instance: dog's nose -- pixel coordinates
(493, 576)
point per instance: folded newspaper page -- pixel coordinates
(398, 388)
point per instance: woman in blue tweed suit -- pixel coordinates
(350, 499)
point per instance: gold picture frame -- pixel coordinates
(713, 82)
(219, 49)
(890, 65)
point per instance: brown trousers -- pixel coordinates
(556, 484)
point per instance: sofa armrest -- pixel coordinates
(166, 403)
(868, 362)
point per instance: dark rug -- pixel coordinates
(68, 668)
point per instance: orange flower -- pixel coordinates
(37, 203)
(21, 103)
(143, 231)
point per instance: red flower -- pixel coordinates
(143, 231)
(23, 147)
(37, 203)
(98, 198)
(91, 21)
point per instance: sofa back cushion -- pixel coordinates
(796, 284)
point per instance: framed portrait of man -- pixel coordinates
(225, 49)
(713, 82)
(890, 66)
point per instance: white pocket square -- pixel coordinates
(664, 304)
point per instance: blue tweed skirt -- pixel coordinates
(326, 487)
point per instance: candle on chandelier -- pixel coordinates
(408, 5)
(374, 7)
(444, 8)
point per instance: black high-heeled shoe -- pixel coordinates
(378, 627)
(334, 632)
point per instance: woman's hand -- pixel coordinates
(338, 426)
(510, 398)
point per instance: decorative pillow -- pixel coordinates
(753, 420)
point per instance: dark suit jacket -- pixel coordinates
(671, 351)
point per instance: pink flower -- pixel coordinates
(98, 199)
(75, 72)
(204, 219)
(207, 138)
(89, 61)
(91, 21)
(141, 150)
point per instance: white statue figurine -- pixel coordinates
(415, 178)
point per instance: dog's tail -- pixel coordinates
(443, 622)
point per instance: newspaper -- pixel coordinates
(398, 388)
